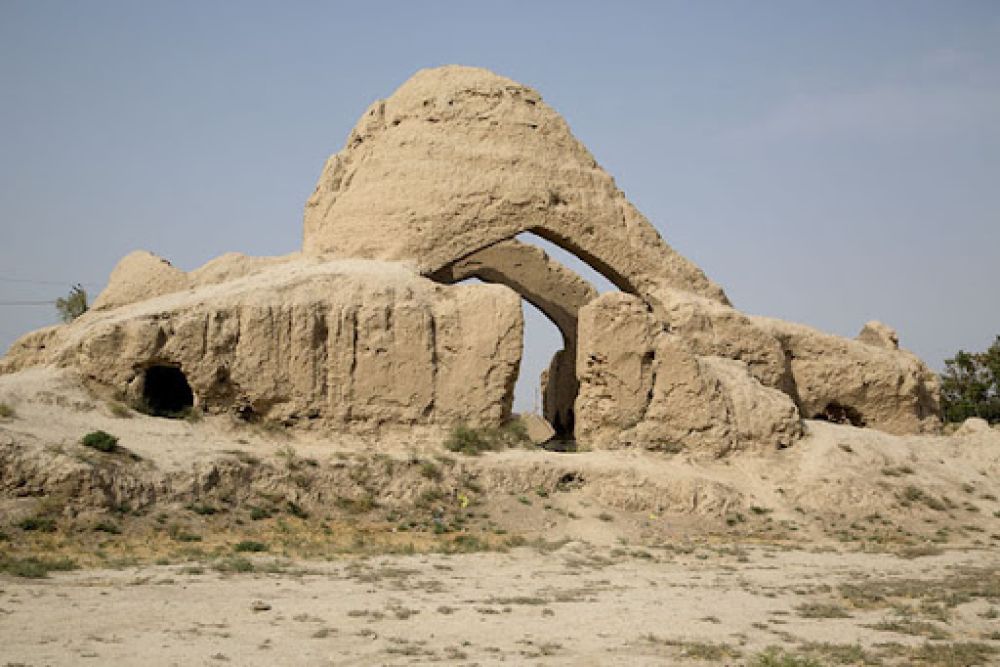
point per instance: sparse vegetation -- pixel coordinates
(33, 567)
(694, 650)
(7, 412)
(916, 628)
(202, 509)
(958, 654)
(821, 610)
(235, 564)
(260, 513)
(774, 656)
(100, 440)
(914, 494)
(73, 305)
(119, 410)
(472, 441)
(107, 527)
(297, 510)
(970, 385)
(180, 534)
(249, 546)
(431, 471)
(41, 524)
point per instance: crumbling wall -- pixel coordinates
(341, 343)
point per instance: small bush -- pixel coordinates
(100, 440)
(179, 534)
(73, 305)
(297, 510)
(7, 412)
(34, 568)
(42, 524)
(259, 513)
(107, 527)
(430, 471)
(202, 509)
(249, 546)
(360, 505)
(776, 657)
(821, 610)
(234, 564)
(466, 440)
(473, 441)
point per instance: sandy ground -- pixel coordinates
(852, 547)
(573, 606)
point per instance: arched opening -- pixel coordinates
(535, 390)
(166, 392)
(556, 293)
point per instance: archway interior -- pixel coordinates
(552, 291)
(602, 278)
(570, 261)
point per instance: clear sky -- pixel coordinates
(826, 162)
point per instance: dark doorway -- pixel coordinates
(166, 392)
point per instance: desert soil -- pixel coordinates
(213, 542)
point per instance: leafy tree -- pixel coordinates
(970, 385)
(73, 305)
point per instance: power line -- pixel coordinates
(43, 282)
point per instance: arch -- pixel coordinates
(459, 159)
(556, 291)
(549, 286)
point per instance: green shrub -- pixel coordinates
(259, 513)
(431, 471)
(101, 441)
(249, 546)
(777, 657)
(970, 385)
(472, 441)
(42, 524)
(297, 510)
(179, 534)
(107, 527)
(6, 412)
(235, 564)
(73, 305)
(34, 568)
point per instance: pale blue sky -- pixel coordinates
(828, 163)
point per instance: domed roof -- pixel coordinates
(460, 158)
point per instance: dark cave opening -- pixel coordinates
(841, 414)
(166, 392)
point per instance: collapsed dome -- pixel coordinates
(459, 159)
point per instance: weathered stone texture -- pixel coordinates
(642, 386)
(458, 159)
(351, 343)
(889, 389)
(438, 180)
